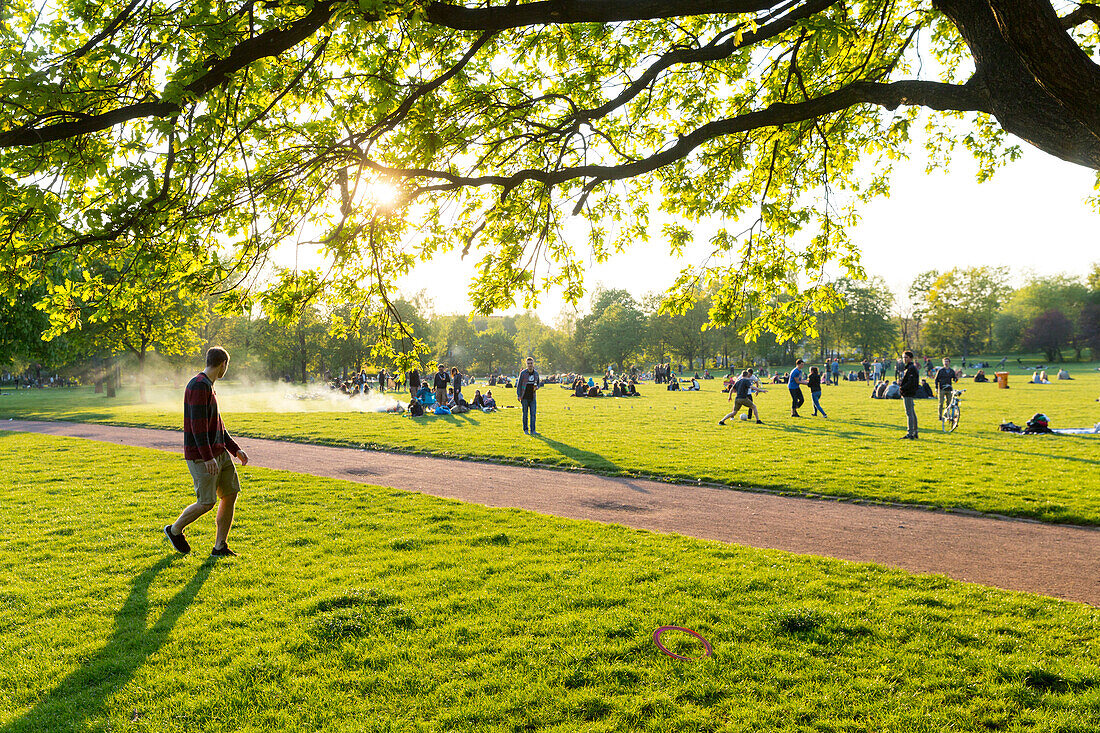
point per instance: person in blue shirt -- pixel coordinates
(794, 383)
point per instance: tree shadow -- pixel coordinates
(86, 690)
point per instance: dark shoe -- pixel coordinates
(178, 541)
(223, 552)
(721, 422)
(759, 422)
(907, 436)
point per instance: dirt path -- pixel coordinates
(1052, 560)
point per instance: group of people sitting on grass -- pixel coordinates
(683, 385)
(887, 390)
(426, 401)
(1040, 377)
(622, 386)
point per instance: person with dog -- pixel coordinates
(207, 446)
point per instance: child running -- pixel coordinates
(744, 388)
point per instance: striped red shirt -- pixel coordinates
(204, 435)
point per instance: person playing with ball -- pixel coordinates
(743, 389)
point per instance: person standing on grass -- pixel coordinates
(526, 385)
(456, 380)
(413, 377)
(836, 371)
(206, 447)
(910, 382)
(743, 389)
(794, 383)
(440, 385)
(814, 382)
(945, 376)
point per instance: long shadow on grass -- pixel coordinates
(86, 690)
(588, 459)
(934, 428)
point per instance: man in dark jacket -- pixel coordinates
(439, 384)
(526, 385)
(909, 384)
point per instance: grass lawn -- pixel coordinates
(854, 454)
(359, 608)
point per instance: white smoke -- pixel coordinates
(275, 397)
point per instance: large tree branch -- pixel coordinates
(1084, 13)
(1022, 105)
(497, 17)
(710, 52)
(268, 43)
(1057, 63)
(934, 95)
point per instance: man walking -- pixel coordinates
(526, 385)
(206, 447)
(910, 382)
(793, 384)
(945, 376)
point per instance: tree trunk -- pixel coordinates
(1021, 81)
(141, 376)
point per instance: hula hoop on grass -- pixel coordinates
(707, 651)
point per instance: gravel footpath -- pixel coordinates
(1053, 560)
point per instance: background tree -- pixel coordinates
(616, 335)
(686, 336)
(865, 322)
(495, 349)
(1039, 295)
(455, 343)
(385, 132)
(1089, 328)
(1050, 332)
(960, 306)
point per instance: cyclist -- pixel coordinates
(945, 377)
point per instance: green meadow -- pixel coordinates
(854, 454)
(359, 608)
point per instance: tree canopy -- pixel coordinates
(531, 135)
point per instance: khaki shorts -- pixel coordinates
(740, 402)
(223, 483)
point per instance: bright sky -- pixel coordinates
(1032, 216)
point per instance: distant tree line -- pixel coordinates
(967, 311)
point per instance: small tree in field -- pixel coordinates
(1050, 332)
